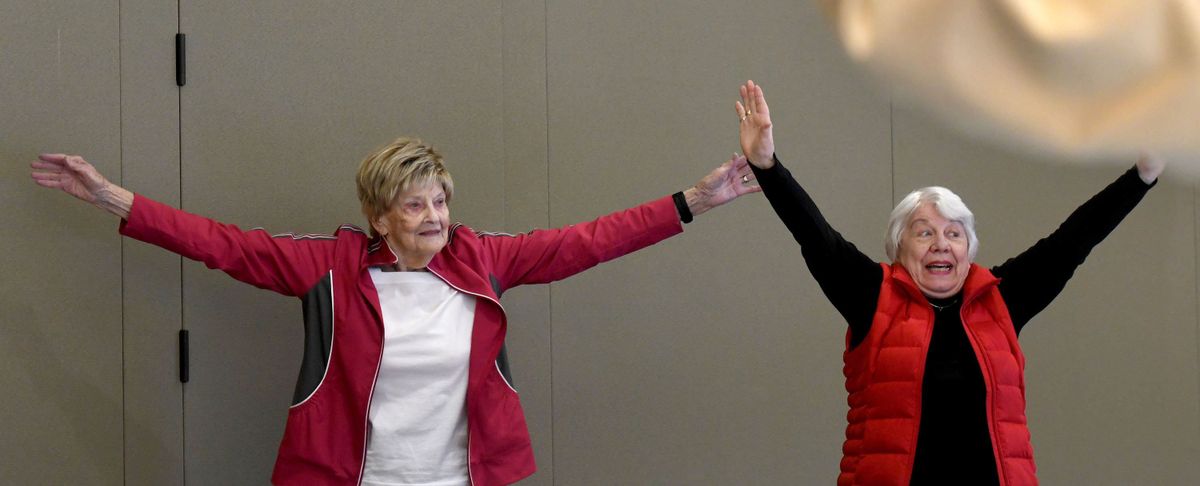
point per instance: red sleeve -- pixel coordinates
(543, 256)
(288, 264)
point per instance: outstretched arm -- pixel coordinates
(287, 264)
(75, 176)
(543, 256)
(1031, 280)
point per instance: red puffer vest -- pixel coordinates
(884, 375)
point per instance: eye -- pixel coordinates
(439, 202)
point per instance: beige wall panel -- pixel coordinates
(283, 101)
(1112, 363)
(150, 156)
(525, 208)
(712, 358)
(60, 332)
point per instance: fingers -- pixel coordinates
(759, 101)
(50, 162)
(753, 102)
(47, 179)
(46, 166)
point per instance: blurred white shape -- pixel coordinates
(1090, 79)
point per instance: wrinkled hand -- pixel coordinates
(70, 173)
(1149, 167)
(77, 177)
(727, 182)
(754, 127)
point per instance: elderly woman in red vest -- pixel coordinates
(932, 363)
(404, 379)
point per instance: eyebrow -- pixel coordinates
(926, 221)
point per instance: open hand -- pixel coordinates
(77, 177)
(754, 127)
(727, 182)
(70, 173)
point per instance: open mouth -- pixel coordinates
(939, 267)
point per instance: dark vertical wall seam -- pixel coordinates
(892, 144)
(504, 116)
(549, 223)
(121, 150)
(182, 323)
(1196, 282)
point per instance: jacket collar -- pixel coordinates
(444, 264)
(379, 252)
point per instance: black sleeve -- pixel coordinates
(849, 278)
(1032, 279)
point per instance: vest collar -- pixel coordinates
(979, 280)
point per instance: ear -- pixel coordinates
(380, 228)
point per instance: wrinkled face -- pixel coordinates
(934, 251)
(416, 224)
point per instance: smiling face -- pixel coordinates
(934, 250)
(416, 225)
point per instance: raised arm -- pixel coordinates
(1031, 280)
(848, 277)
(543, 256)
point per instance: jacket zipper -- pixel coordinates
(470, 472)
(362, 464)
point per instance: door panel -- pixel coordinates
(152, 315)
(60, 331)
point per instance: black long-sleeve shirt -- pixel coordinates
(953, 443)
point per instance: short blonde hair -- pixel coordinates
(393, 169)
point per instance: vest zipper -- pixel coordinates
(988, 381)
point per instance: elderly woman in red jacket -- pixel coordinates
(403, 379)
(932, 363)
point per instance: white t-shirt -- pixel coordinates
(418, 420)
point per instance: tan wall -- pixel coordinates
(712, 358)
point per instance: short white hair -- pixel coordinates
(947, 203)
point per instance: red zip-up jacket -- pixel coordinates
(324, 442)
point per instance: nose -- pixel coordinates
(431, 215)
(941, 243)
